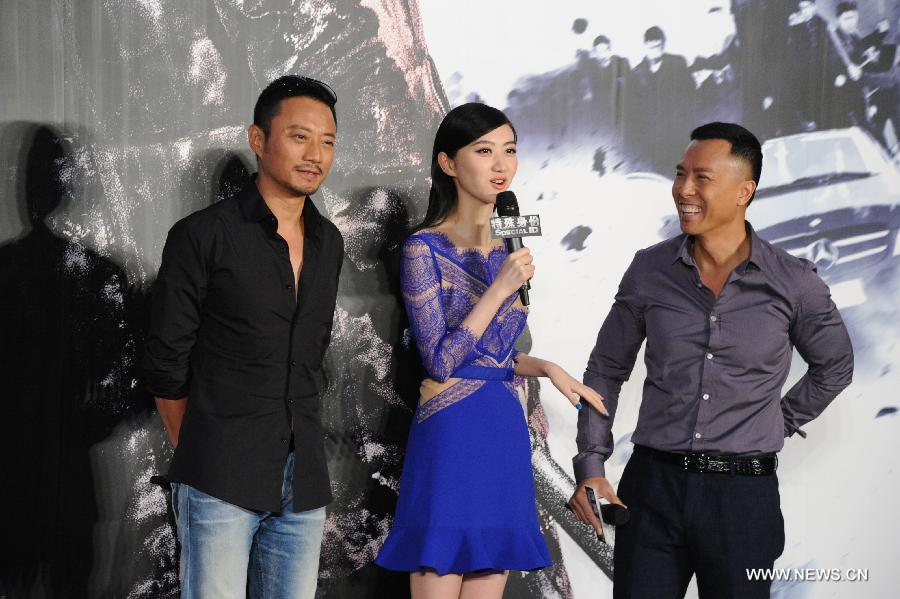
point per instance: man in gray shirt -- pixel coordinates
(722, 311)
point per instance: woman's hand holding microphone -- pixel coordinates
(516, 269)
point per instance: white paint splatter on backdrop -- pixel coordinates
(233, 135)
(207, 70)
(153, 9)
(373, 354)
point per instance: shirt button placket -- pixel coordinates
(703, 407)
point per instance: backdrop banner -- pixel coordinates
(119, 117)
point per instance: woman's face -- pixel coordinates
(486, 166)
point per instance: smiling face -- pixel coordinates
(297, 154)
(485, 167)
(712, 188)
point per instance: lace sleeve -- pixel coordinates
(420, 283)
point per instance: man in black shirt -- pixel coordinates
(242, 313)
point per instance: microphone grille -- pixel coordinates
(507, 204)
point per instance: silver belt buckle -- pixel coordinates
(756, 466)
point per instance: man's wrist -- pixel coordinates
(589, 466)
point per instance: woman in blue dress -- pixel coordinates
(466, 512)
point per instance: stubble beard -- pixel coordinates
(301, 191)
(296, 190)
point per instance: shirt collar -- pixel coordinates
(759, 251)
(254, 209)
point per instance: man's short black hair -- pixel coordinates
(654, 34)
(843, 7)
(290, 86)
(744, 145)
(601, 39)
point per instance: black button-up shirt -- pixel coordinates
(715, 366)
(228, 332)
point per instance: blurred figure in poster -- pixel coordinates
(874, 61)
(823, 85)
(851, 90)
(466, 513)
(716, 80)
(715, 75)
(579, 100)
(763, 64)
(609, 87)
(722, 311)
(661, 101)
(881, 72)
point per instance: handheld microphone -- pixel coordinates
(508, 206)
(614, 514)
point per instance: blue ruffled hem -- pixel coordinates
(459, 550)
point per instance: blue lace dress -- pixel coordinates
(467, 500)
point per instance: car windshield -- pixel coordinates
(808, 160)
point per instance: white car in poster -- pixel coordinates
(833, 197)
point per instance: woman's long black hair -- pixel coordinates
(462, 125)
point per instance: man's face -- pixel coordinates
(806, 10)
(298, 152)
(848, 22)
(654, 49)
(602, 52)
(711, 187)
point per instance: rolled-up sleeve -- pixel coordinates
(176, 300)
(819, 334)
(609, 366)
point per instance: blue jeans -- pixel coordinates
(231, 552)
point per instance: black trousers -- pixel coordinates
(684, 523)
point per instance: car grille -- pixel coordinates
(837, 251)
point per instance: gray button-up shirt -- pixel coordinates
(715, 366)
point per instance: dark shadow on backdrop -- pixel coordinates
(214, 176)
(71, 328)
(378, 221)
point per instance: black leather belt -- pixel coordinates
(757, 465)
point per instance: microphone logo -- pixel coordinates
(504, 227)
